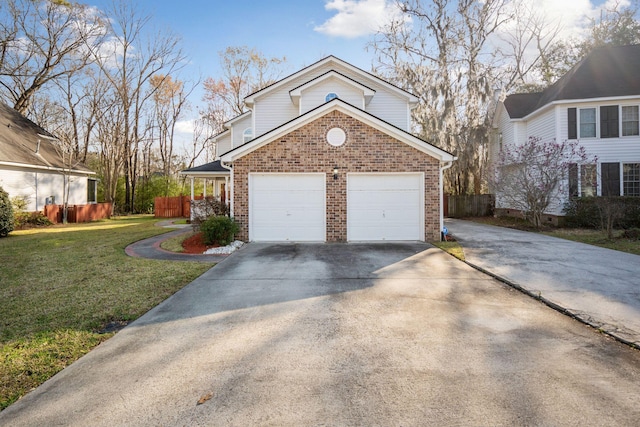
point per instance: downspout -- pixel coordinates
(229, 187)
(442, 169)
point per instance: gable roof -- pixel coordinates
(337, 105)
(329, 59)
(24, 143)
(295, 93)
(609, 71)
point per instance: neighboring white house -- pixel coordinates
(326, 154)
(595, 103)
(30, 166)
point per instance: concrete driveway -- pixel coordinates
(342, 334)
(599, 286)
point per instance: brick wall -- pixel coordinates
(365, 150)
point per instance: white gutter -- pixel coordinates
(48, 168)
(229, 187)
(442, 169)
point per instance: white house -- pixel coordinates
(30, 166)
(595, 103)
(326, 154)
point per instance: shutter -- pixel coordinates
(610, 179)
(609, 124)
(573, 123)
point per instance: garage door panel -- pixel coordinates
(385, 207)
(287, 207)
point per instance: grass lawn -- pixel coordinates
(62, 286)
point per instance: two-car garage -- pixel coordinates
(293, 206)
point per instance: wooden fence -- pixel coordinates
(79, 213)
(467, 206)
(172, 207)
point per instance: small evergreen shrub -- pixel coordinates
(219, 230)
(6, 214)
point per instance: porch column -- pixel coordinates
(191, 203)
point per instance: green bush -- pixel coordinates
(631, 234)
(6, 214)
(219, 230)
(588, 212)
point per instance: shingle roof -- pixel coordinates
(24, 142)
(208, 167)
(607, 71)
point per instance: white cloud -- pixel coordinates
(185, 126)
(356, 18)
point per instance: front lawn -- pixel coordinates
(65, 288)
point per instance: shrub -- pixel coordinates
(631, 234)
(205, 209)
(23, 219)
(6, 214)
(594, 212)
(219, 230)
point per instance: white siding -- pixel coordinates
(391, 108)
(542, 126)
(37, 186)
(316, 94)
(237, 131)
(223, 145)
(276, 108)
(624, 149)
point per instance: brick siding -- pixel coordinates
(365, 150)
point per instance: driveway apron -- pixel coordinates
(599, 286)
(344, 334)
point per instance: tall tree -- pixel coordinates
(170, 100)
(244, 71)
(134, 57)
(438, 50)
(42, 41)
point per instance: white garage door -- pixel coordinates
(287, 207)
(385, 207)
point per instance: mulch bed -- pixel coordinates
(195, 245)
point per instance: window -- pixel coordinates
(573, 180)
(587, 123)
(588, 180)
(330, 96)
(609, 122)
(247, 135)
(610, 179)
(92, 191)
(630, 120)
(631, 179)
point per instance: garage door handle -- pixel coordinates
(383, 215)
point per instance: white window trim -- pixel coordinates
(597, 127)
(247, 132)
(620, 124)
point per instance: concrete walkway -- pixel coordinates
(600, 287)
(150, 248)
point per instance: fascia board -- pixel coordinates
(337, 105)
(296, 92)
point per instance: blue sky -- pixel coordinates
(303, 31)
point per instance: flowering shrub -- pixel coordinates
(531, 176)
